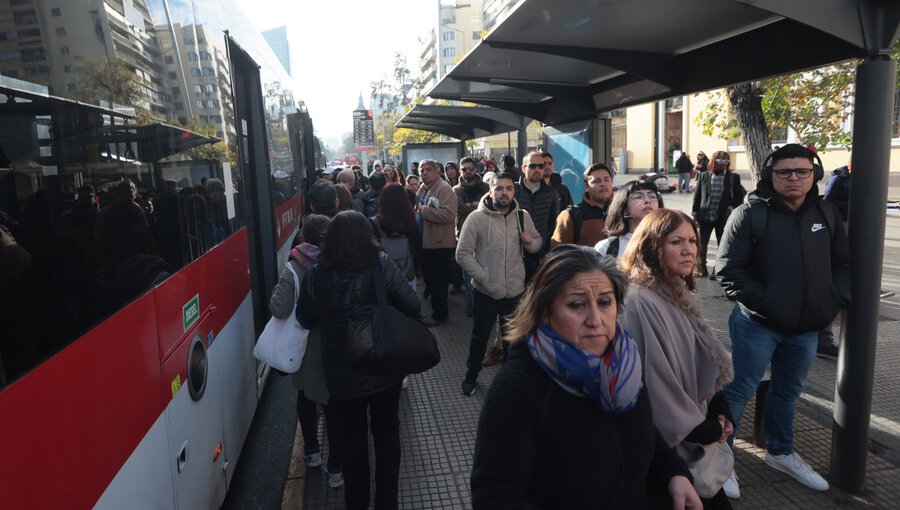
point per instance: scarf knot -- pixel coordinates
(612, 380)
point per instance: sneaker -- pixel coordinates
(335, 480)
(830, 351)
(492, 357)
(405, 383)
(468, 384)
(731, 487)
(432, 322)
(793, 465)
(313, 459)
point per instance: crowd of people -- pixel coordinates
(610, 369)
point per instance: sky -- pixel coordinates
(338, 47)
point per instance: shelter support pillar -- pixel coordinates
(875, 88)
(521, 144)
(601, 141)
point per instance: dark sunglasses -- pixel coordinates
(535, 166)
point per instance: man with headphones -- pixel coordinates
(785, 259)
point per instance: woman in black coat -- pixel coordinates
(339, 288)
(567, 423)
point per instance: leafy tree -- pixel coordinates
(398, 91)
(114, 82)
(403, 136)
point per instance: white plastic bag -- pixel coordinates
(282, 343)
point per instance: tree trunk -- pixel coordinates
(746, 103)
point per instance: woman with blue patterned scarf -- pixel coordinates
(567, 423)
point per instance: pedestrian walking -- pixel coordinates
(718, 192)
(684, 167)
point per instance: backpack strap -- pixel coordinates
(577, 220)
(759, 216)
(830, 219)
(520, 216)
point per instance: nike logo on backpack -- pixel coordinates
(817, 227)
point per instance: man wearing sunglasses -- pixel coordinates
(717, 193)
(542, 203)
(785, 259)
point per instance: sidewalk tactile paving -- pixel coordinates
(438, 425)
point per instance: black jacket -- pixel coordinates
(543, 206)
(539, 446)
(328, 299)
(684, 164)
(837, 191)
(565, 197)
(732, 195)
(796, 277)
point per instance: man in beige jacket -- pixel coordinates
(436, 208)
(492, 245)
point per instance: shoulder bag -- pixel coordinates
(388, 341)
(282, 343)
(710, 465)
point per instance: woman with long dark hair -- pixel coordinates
(340, 287)
(397, 230)
(627, 208)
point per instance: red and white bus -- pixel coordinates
(141, 233)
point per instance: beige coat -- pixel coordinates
(440, 221)
(490, 250)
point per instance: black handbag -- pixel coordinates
(388, 341)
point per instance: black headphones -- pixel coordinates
(818, 169)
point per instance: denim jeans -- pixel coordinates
(485, 311)
(753, 347)
(470, 294)
(684, 182)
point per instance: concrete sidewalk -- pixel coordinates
(438, 427)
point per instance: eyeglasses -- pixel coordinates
(785, 173)
(535, 166)
(640, 197)
(723, 161)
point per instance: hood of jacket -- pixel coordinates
(305, 254)
(842, 172)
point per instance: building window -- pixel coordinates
(198, 89)
(200, 104)
(61, 31)
(204, 55)
(218, 120)
(64, 50)
(169, 59)
(55, 12)
(212, 103)
(172, 75)
(176, 92)
(204, 119)
(449, 36)
(179, 105)
(192, 56)
(448, 68)
(195, 72)
(210, 88)
(476, 35)
(449, 52)
(208, 71)
(476, 19)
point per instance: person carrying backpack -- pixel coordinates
(584, 224)
(395, 227)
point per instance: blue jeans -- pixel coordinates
(753, 347)
(470, 294)
(684, 182)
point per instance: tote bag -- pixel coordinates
(389, 342)
(282, 343)
(710, 465)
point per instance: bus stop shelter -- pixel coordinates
(562, 61)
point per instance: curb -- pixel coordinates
(295, 484)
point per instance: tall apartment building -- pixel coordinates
(197, 77)
(460, 26)
(496, 11)
(40, 39)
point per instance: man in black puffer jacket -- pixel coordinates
(542, 203)
(785, 259)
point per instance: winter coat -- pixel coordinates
(468, 198)
(684, 164)
(539, 446)
(310, 379)
(592, 224)
(732, 195)
(329, 298)
(490, 250)
(543, 205)
(796, 277)
(565, 197)
(440, 221)
(837, 191)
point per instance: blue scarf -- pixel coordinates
(612, 380)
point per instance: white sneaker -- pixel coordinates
(731, 487)
(793, 465)
(313, 459)
(335, 480)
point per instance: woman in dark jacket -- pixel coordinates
(567, 423)
(338, 288)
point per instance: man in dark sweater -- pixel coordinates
(542, 203)
(555, 181)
